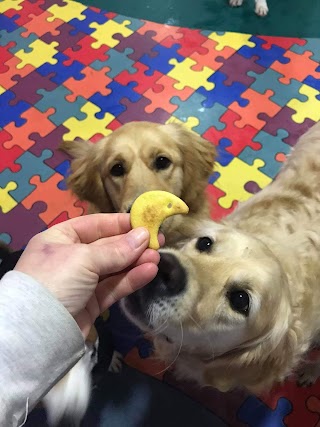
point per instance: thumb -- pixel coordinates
(116, 255)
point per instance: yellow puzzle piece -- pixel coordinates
(306, 110)
(187, 77)
(234, 177)
(10, 4)
(233, 40)
(40, 54)
(7, 203)
(88, 127)
(190, 123)
(104, 33)
(68, 12)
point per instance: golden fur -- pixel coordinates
(136, 146)
(268, 247)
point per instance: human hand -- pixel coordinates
(90, 262)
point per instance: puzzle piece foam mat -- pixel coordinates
(70, 71)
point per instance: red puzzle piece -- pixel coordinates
(240, 137)
(298, 397)
(57, 200)
(26, 14)
(8, 156)
(285, 43)
(192, 41)
(5, 55)
(216, 211)
(144, 81)
(85, 53)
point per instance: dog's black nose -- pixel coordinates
(171, 278)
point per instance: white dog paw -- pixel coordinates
(308, 375)
(116, 363)
(261, 8)
(235, 3)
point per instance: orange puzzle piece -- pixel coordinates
(258, 103)
(20, 135)
(299, 67)
(94, 81)
(55, 199)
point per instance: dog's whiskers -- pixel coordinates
(160, 328)
(205, 334)
(178, 354)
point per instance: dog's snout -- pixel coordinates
(171, 277)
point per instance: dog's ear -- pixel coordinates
(85, 177)
(198, 161)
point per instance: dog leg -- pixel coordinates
(235, 3)
(309, 373)
(261, 7)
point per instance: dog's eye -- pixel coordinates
(117, 170)
(162, 162)
(239, 301)
(204, 244)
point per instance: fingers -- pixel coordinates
(117, 255)
(116, 287)
(89, 228)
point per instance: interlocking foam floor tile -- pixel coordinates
(71, 71)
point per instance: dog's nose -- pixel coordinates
(171, 277)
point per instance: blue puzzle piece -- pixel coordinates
(312, 45)
(117, 62)
(61, 71)
(56, 98)
(269, 79)
(5, 238)
(134, 25)
(111, 103)
(194, 107)
(160, 62)
(213, 177)
(313, 82)
(64, 170)
(83, 26)
(11, 113)
(221, 93)
(21, 43)
(224, 157)
(30, 166)
(270, 147)
(266, 56)
(7, 24)
(253, 412)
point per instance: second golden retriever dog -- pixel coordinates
(139, 157)
(110, 175)
(238, 305)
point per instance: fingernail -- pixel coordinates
(137, 237)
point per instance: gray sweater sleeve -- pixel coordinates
(39, 342)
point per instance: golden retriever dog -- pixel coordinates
(238, 304)
(110, 175)
(139, 157)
